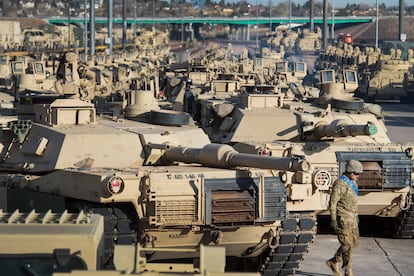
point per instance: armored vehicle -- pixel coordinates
(408, 88)
(72, 244)
(382, 77)
(157, 181)
(386, 81)
(6, 75)
(328, 130)
(308, 42)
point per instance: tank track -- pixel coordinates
(119, 227)
(406, 227)
(293, 241)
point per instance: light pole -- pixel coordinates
(68, 25)
(135, 18)
(270, 15)
(325, 24)
(257, 26)
(124, 24)
(182, 22)
(376, 25)
(153, 14)
(85, 27)
(290, 15)
(109, 40)
(401, 33)
(92, 26)
(333, 20)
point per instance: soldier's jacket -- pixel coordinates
(343, 202)
(343, 208)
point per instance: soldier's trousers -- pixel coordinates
(348, 236)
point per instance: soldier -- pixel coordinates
(344, 217)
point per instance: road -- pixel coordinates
(374, 256)
(399, 119)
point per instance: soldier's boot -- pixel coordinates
(334, 266)
(348, 272)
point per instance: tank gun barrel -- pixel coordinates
(225, 156)
(338, 129)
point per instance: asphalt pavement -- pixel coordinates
(374, 256)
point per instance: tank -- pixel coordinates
(381, 77)
(72, 244)
(296, 42)
(308, 42)
(157, 182)
(409, 80)
(386, 81)
(327, 130)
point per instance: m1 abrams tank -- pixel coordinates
(327, 131)
(156, 181)
(386, 82)
(382, 77)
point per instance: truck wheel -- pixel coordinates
(348, 104)
(169, 117)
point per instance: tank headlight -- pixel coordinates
(116, 185)
(265, 151)
(322, 178)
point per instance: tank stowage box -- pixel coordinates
(49, 241)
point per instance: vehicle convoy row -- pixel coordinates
(326, 130)
(252, 177)
(157, 181)
(382, 77)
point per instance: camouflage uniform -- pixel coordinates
(343, 209)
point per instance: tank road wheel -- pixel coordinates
(297, 233)
(169, 117)
(348, 104)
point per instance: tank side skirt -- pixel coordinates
(295, 237)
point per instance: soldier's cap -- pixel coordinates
(353, 166)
